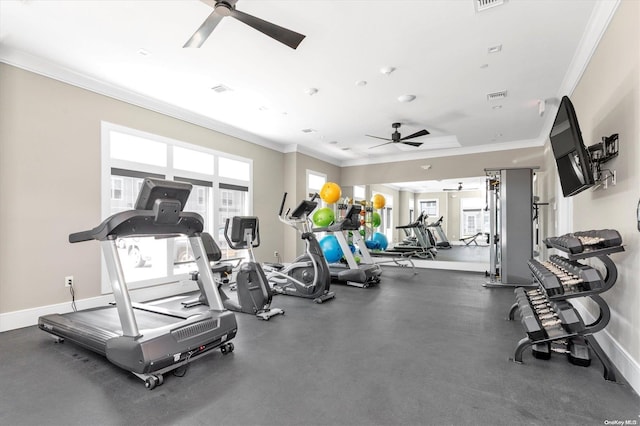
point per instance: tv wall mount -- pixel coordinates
(601, 153)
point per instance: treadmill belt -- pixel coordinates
(107, 318)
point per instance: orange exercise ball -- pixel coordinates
(330, 192)
(378, 201)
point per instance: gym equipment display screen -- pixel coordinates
(572, 159)
(154, 189)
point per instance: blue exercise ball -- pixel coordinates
(372, 245)
(331, 248)
(381, 239)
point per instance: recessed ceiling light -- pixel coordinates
(387, 70)
(361, 83)
(143, 52)
(484, 66)
(497, 107)
(263, 108)
(346, 148)
(311, 91)
(495, 49)
(333, 143)
(309, 130)
(406, 98)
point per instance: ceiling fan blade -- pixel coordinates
(416, 144)
(205, 30)
(378, 137)
(382, 144)
(276, 32)
(422, 132)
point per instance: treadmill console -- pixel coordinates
(155, 190)
(351, 221)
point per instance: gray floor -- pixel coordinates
(462, 253)
(432, 349)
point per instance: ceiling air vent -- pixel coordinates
(497, 95)
(221, 88)
(482, 5)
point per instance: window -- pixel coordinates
(234, 169)
(193, 160)
(234, 202)
(430, 207)
(128, 157)
(315, 181)
(116, 188)
(473, 217)
(359, 193)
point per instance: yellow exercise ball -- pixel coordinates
(378, 201)
(330, 192)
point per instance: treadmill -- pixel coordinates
(144, 339)
(420, 244)
(352, 273)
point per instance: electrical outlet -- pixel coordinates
(613, 178)
(276, 254)
(68, 281)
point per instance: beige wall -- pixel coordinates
(296, 184)
(50, 182)
(607, 100)
(458, 166)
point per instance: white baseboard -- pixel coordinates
(29, 317)
(621, 359)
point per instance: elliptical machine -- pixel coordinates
(308, 276)
(252, 286)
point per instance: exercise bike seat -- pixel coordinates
(214, 255)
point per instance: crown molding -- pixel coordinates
(66, 75)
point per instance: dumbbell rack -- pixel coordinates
(552, 324)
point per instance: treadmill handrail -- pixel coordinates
(140, 223)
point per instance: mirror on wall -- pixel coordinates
(454, 211)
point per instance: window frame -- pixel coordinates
(429, 200)
(107, 164)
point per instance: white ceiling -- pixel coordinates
(439, 49)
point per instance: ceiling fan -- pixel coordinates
(396, 137)
(460, 188)
(222, 8)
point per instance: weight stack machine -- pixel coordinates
(510, 199)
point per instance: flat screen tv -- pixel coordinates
(572, 159)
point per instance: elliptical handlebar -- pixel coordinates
(300, 215)
(284, 198)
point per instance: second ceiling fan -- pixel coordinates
(396, 137)
(223, 8)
